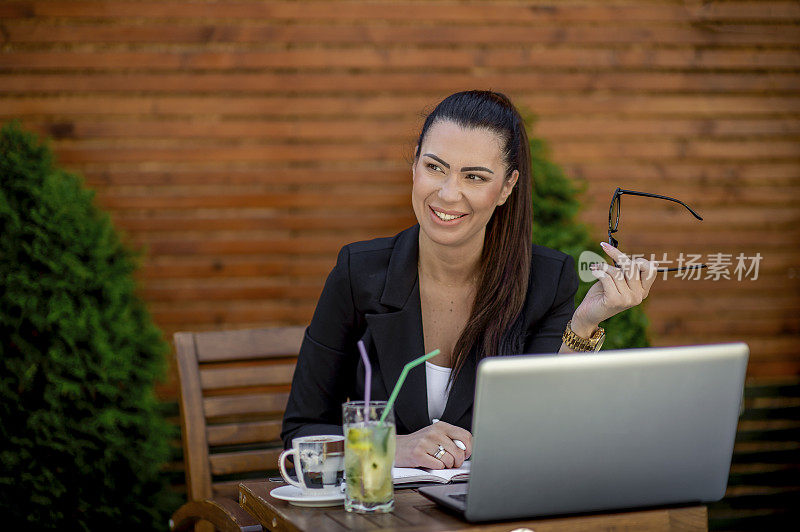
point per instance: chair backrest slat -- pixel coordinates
(244, 461)
(251, 404)
(234, 386)
(237, 377)
(248, 344)
(237, 433)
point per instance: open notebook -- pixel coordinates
(416, 475)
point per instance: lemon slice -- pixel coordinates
(375, 472)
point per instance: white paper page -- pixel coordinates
(446, 474)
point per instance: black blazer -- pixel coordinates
(372, 294)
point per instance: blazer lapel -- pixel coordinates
(398, 335)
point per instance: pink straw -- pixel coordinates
(367, 378)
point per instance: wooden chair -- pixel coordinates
(233, 391)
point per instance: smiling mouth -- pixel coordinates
(446, 217)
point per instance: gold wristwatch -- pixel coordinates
(578, 343)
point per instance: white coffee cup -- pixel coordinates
(319, 463)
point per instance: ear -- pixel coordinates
(508, 187)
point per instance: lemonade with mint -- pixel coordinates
(369, 448)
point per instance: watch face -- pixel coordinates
(600, 343)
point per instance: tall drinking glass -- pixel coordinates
(368, 457)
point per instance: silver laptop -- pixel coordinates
(561, 434)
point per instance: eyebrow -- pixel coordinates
(465, 169)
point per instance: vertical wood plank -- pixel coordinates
(193, 422)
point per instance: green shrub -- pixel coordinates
(82, 440)
(555, 207)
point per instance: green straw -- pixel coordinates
(402, 379)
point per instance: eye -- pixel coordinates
(475, 177)
(435, 166)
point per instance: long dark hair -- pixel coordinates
(494, 326)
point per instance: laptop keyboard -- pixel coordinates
(460, 497)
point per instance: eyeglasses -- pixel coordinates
(614, 215)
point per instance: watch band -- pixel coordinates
(578, 343)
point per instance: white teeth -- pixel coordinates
(446, 217)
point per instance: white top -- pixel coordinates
(437, 389)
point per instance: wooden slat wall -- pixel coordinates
(242, 143)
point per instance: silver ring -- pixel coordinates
(439, 453)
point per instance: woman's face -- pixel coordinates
(458, 182)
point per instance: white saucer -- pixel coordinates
(295, 496)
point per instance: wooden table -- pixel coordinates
(413, 512)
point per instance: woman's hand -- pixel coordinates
(417, 449)
(619, 288)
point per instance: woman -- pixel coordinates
(465, 280)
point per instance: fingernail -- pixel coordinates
(598, 273)
(605, 245)
(460, 445)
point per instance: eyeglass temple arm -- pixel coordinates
(635, 193)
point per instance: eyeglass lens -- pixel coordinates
(615, 208)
